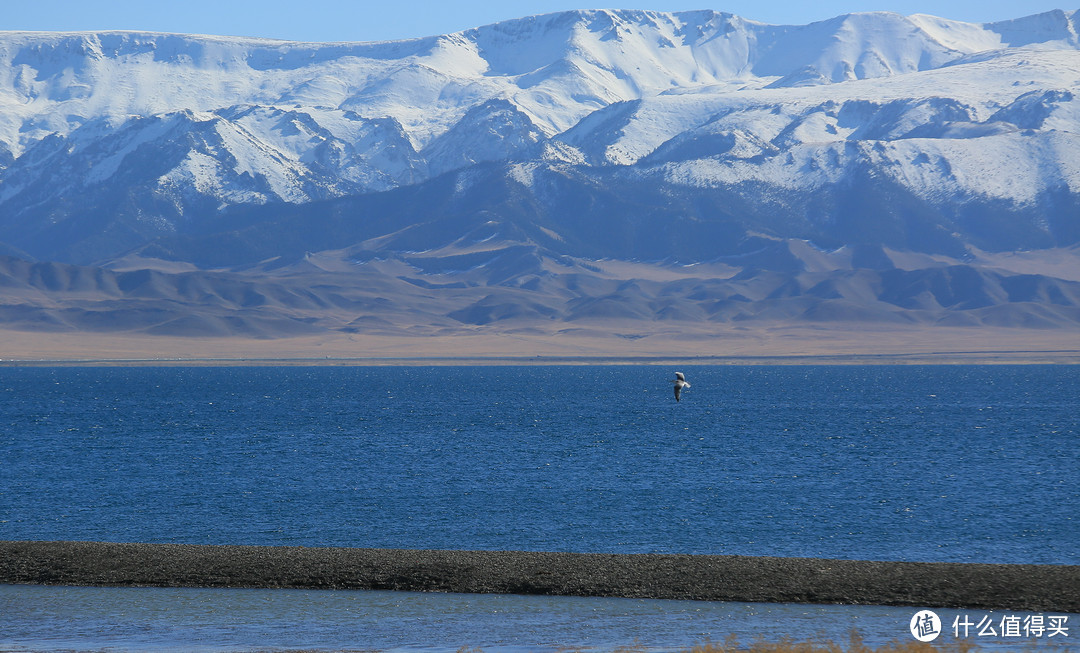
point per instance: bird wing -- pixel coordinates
(679, 376)
(678, 390)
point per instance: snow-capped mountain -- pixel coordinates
(693, 137)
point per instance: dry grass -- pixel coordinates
(854, 644)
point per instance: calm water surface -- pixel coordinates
(201, 620)
(935, 463)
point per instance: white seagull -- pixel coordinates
(680, 383)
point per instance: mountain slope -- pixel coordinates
(557, 68)
(869, 168)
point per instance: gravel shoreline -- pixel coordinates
(1036, 588)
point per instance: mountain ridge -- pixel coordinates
(459, 55)
(486, 179)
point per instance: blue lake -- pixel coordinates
(923, 463)
(196, 620)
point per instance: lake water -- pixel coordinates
(923, 463)
(213, 621)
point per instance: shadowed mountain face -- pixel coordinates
(580, 168)
(519, 287)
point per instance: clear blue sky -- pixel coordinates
(362, 20)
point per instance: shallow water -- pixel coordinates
(156, 619)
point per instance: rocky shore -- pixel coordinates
(1038, 588)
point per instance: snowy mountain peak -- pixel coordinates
(597, 167)
(1051, 29)
(556, 67)
(176, 130)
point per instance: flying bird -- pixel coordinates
(680, 383)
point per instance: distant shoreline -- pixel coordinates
(650, 576)
(607, 344)
(1019, 357)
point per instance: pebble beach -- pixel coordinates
(652, 576)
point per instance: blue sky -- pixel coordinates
(361, 20)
